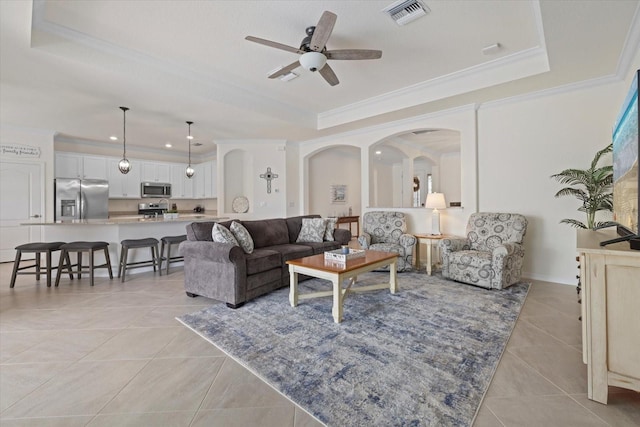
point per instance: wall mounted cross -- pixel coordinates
(268, 176)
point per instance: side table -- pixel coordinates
(428, 239)
(349, 220)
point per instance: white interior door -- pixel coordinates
(21, 201)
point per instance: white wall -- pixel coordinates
(335, 165)
(294, 206)
(263, 154)
(521, 144)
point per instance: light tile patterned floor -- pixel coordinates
(113, 355)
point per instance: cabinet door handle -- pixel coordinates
(35, 216)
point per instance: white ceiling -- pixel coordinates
(67, 66)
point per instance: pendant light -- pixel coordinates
(124, 165)
(189, 172)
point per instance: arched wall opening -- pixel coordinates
(328, 170)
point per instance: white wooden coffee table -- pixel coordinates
(337, 273)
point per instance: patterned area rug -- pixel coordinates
(424, 356)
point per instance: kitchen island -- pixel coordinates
(114, 230)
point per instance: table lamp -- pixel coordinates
(435, 201)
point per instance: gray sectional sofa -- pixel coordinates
(224, 272)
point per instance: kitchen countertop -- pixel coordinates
(135, 219)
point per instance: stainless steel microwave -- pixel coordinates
(155, 189)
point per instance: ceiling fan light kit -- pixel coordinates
(313, 61)
(313, 51)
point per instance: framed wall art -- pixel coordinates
(338, 193)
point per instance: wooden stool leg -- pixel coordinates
(16, 263)
(37, 265)
(108, 262)
(162, 255)
(48, 267)
(79, 255)
(154, 258)
(64, 255)
(158, 260)
(91, 264)
(68, 260)
(120, 262)
(125, 257)
(168, 256)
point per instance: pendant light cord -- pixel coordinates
(189, 123)
(124, 131)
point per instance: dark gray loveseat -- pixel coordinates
(224, 272)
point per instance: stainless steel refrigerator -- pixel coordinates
(81, 199)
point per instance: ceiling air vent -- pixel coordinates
(405, 11)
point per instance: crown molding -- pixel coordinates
(630, 48)
(388, 125)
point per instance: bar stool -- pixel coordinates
(79, 248)
(170, 240)
(37, 248)
(137, 244)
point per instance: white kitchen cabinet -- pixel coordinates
(124, 186)
(156, 172)
(94, 167)
(181, 186)
(71, 165)
(204, 180)
(68, 165)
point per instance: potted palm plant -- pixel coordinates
(593, 187)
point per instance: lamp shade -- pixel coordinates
(313, 61)
(435, 201)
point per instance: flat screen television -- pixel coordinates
(626, 176)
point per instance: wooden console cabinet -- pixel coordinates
(610, 278)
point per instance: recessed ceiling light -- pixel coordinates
(190, 137)
(378, 152)
(113, 138)
(168, 145)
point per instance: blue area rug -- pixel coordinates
(424, 356)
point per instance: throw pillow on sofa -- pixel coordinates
(242, 236)
(221, 234)
(313, 230)
(332, 223)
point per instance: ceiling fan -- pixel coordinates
(313, 51)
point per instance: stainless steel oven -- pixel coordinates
(155, 189)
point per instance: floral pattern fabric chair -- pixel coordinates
(387, 232)
(491, 255)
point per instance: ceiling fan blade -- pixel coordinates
(285, 70)
(323, 31)
(329, 75)
(353, 54)
(274, 44)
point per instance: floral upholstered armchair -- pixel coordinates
(491, 256)
(387, 232)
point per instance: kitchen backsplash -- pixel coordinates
(121, 206)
